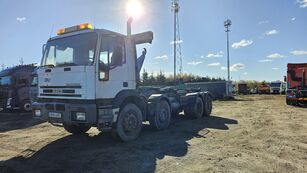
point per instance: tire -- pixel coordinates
(26, 106)
(129, 123)
(288, 102)
(208, 107)
(76, 129)
(196, 110)
(162, 117)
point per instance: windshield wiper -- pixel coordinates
(66, 64)
(49, 65)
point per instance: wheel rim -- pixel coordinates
(162, 115)
(130, 122)
(27, 107)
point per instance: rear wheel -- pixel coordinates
(196, 110)
(129, 123)
(208, 106)
(162, 117)
(76, 129)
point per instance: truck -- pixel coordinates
(277, 87)
(296, 92)
(15, 85)
(89, 78)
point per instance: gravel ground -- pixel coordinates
(257, 133)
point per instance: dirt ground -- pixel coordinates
(258, 133)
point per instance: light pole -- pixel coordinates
(227, 24)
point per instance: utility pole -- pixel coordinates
(21, 61)
(177, 46)
(227, 24)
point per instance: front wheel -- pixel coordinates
(162, 117)
(288, 102)
(129, 123)
(76, 129)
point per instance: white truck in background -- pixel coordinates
(277, 87)
(89, 78)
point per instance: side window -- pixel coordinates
(111, 55)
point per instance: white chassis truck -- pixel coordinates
(88, 78)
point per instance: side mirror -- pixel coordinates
(104, 75)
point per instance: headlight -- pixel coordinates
(37, 112)
(80, 116)
(9, 102)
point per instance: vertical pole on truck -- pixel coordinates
(227, 24)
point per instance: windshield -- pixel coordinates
(71, 51)
(275, 84)
(6, 81)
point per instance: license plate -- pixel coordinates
(55, 115)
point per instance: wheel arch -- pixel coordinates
(131, 96)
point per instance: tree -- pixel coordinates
(145, 79)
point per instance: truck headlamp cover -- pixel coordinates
(74, 28)
(37, 112)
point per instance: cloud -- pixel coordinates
(21, 19)
(275, 56)
(195, 63)
(245, 73)
(303, 3)
(162, 57)
(242, 43)
(263, 22)
(202, 56)
(265, 60)
(293, 18)
(177, 42)
(235, 67)
(272, 32)
(275, 68)
(298, 53)
(217, 55)
(214, 64)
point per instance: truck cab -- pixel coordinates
(276, 87)
(15, 84)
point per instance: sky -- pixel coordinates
(265, 35)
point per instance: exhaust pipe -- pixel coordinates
(129, 26)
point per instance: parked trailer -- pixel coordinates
(15, 84)
(296, 84)
(217, 89)
(95, 85)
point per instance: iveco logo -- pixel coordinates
(57, 91)
(46, 79)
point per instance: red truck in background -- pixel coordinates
(296, 84)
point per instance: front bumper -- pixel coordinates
(67, 112)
